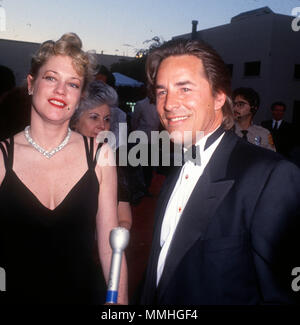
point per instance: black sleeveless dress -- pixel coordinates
(50, 256)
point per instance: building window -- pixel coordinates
(297, 71)
(252, 69)
(230, 68)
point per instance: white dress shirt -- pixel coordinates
(186, 182)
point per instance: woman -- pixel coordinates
(53, 193)
(92, 117)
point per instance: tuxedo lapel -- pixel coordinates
(207, 195)
(282, 126)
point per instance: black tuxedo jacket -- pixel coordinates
(284, 137)
(237, 240)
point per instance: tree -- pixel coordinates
(155, 41)
(136, 68)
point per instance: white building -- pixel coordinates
(263, 52)
(16, 55)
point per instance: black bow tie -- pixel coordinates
(193, 152)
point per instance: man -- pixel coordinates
(245, 106)
(145, 118)
(282, 131)
(225, 230)
(117, 116)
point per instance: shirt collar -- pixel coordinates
(201, 142)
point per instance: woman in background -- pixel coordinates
(53, 192)
(92, 117)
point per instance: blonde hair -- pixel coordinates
(69, 45)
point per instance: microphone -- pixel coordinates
(119, 238)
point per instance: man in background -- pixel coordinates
(117, 116)
(245, 106)
(282, 132)
(145, 118)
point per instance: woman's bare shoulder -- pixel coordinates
(18, 139)
(105, 155)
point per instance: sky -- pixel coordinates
(121, 26)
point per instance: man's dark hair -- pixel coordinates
(250, 95)
(7, 79)
(278, 104)
(110, 78)
(215, 69)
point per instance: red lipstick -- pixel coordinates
(58, 103)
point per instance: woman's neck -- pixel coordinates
(46, 134)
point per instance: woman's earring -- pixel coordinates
(30, 92)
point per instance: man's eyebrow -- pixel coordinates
(177, 84)
(184, 83)
(159, 87)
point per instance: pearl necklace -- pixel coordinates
(46, 153)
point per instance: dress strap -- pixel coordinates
(89, 157)
(97, 153)
(8, 152)
(89, 149)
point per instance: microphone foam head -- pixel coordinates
(119, 238)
